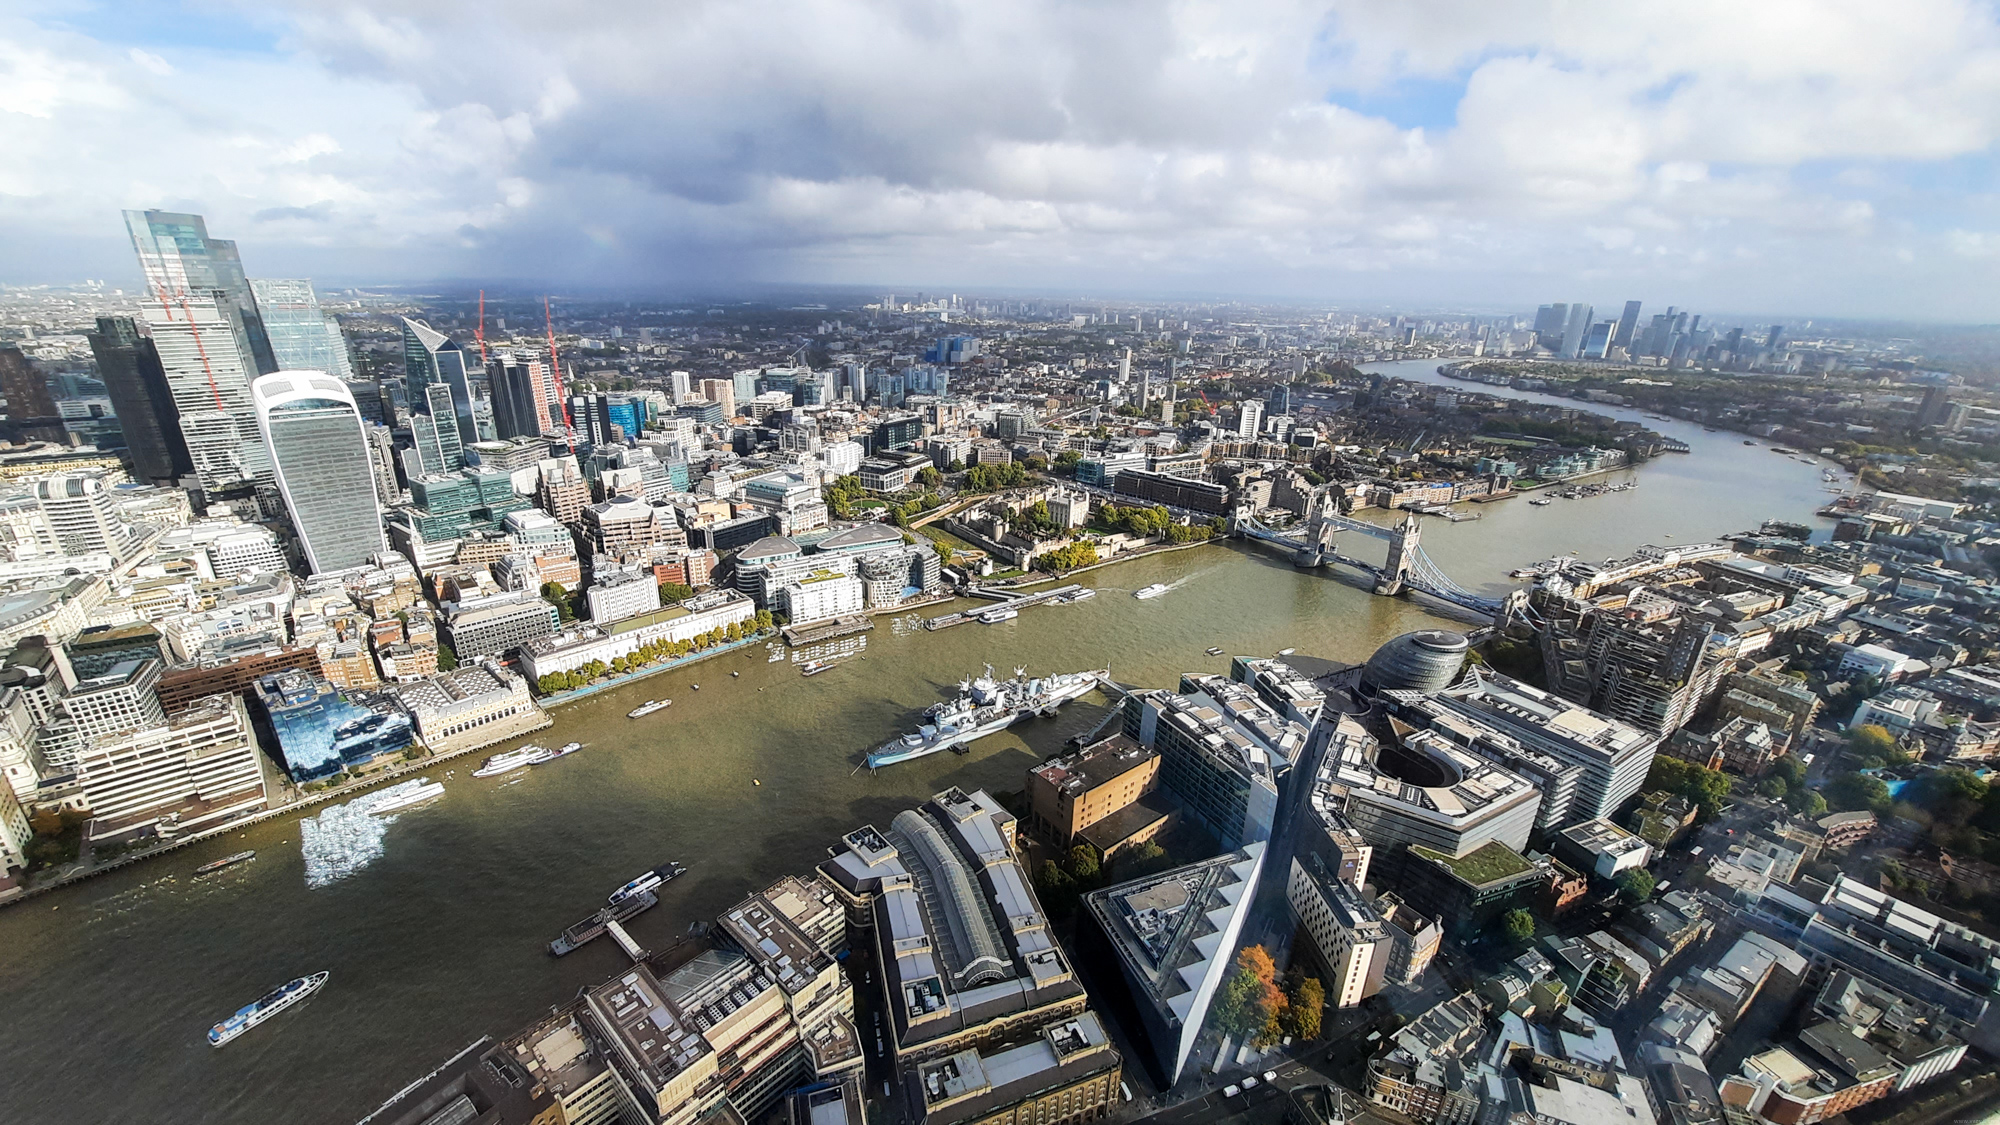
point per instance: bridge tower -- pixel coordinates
(1402, 556)
(1319, 532)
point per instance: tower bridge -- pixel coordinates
(1314, 543)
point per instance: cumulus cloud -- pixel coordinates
(1757, 156)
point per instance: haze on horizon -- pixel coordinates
(1829, 158)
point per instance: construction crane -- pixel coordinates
(555, 372)
(479, 333)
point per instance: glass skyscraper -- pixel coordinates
(303, 337)
(310, 422)
(431, 357)
(137, 386)
(210, 339)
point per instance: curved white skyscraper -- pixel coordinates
(310, 423)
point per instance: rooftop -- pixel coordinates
(1490, 863)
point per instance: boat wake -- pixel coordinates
(346, 838)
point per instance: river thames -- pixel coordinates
(109, 986)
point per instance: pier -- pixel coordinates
(1002, 599)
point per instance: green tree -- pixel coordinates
(1519, 926)
(1705, 787)
(447, 659)
(1303, 1007)
(1857, 791)
(1772, 787)
(1869, 740)
(673, 592)
(1249, 1002)
(1145, 859)
(929, 477)
(1084, 865)
(1636, 885)
(1057, 888)
(556, 594)
(1805, 802)
(1791, 769)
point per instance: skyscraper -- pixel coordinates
(1249, 417)
(429, 357)
(313, 428)
(208, 376)
(1575, 330)
(137, 386)
(520, 404)
(1549, 320)
(179, 259)
(303, 337)
(434, 434)
(1628, 322)
(683, 386)
(31, 412)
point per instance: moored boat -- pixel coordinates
(650, 881)
(984, 706)
(996, 616)
(563, 751)
(509, 761)
(648, 707)
(404, 796)
(215, 865)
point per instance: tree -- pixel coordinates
(944, 553)
(1805, 802)
(1145, 859)
(1772, 787)
(1869, 740)
(1084, 865)
(1791, 769)
(672, 592)
(1519, 926)
(1705, 787)
(734, 634)
(1057, 888)
(1857, 791)
(558, 595)
(1636, 885)
(1302, 1009)
(1250, 1002)
(447, 659)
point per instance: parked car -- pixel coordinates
(1231, 1090)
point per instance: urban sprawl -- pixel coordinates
(1698, 836)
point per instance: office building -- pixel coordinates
(1614, 756)
(1202, 497)
(818, 596)
(303, 337)
(1174, 935)
(483, 699)
(320, 730)
(521, 402)
(196, 771)
(313, 429)
(1222, 752)
(1628, 324)
(495, 626)
(1345, 937)
(1470, 890)
(1414, 939)
(431, 359)
(1097, 794)
(181, 261)
(1249, 418)
(961, 942)
(1068, 1072)
(580, 644)
(209, 378)
(31, 414)
(136, 384)
(1575, 329)
(123, 697)
(83, 515)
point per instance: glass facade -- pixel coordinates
(310, 422)
(321, 732)
(430, 357)
(303, 338)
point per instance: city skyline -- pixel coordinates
(1824, 164)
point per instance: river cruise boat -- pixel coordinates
(1153, 591)
(996, 616)
(651, 881)
(984, 706)
(814, 667)
(1082, 595)
(403, 797)
(215, 865)
(648, 708)
(270, 1004)
(563, 751)
(509, 761)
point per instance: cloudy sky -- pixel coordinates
(1773, 156)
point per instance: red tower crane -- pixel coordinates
(555, 370)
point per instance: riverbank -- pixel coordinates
(299, 803)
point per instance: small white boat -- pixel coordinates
(509, 761)
(1082, 595)
(649, 707)
(1215, 652)
(815, 667)
(273, 1002)
(1153, 591)
(996, 616)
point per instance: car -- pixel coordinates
(1250, 1083)
(1373, 1036)
(1270, 1076)
(1231, 1090)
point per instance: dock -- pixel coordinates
(1001, 600)
(796, 635)
(595, 926)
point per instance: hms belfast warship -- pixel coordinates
(986, 705)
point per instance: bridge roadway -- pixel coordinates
(1312, 545)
